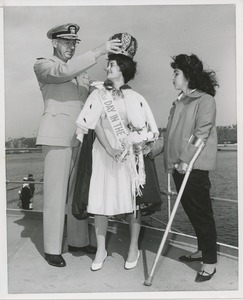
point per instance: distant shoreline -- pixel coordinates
(23, 150)
(227, 147)
(221, 147)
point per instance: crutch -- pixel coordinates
(200, 145)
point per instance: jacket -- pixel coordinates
(194, 114)
(65, 88)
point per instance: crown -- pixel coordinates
(129, 44)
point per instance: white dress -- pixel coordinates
(110, 190)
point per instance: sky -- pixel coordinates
(161, 31)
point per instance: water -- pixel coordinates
(224, 185)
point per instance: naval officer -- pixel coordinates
(64, 84)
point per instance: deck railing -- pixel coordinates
(168, 193)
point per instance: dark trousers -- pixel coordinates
(198, 207)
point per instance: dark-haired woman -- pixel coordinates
(193, 114)
(120, 117)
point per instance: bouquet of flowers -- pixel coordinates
(138, 140)
(137, 144)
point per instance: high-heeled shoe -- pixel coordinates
(98, 266)
(131, 265)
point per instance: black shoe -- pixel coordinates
(55, 260)
(188, 258)
(88, 249)
(201, 277)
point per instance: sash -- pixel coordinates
(113, 116)
(137, 173)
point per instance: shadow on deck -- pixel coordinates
(28, 272)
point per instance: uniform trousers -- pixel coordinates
(197, 205)
(59, 176)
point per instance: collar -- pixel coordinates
(193, 94)
(108, 84)
(181, 94)
(57, 59)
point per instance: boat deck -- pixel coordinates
(28, 272)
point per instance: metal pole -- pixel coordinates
(23, 182)
(168, 196)
(148, 281)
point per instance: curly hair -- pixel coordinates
(198, 78)
(126, 64)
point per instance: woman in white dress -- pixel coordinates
(118, 176)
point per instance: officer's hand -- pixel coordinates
(112, 46)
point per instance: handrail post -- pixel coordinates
(168, 196)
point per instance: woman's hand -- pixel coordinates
(137, 148)
(181, 167)
(114, 153)
(155, 137)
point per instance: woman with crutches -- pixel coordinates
(193, 114)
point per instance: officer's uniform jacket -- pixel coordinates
(194, 114)
(65, 87)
